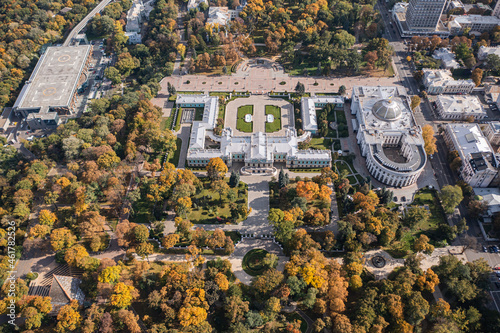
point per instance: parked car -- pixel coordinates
(485, 249)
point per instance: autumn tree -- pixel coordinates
(170, 240)
(110, 274)
(415, 102)
(75, 254)
(428, 281)
(68, 318)
(123, 295)
(429, 140)
(422, 244)
(216, 169)
(477, 76)
(46, 217)
(130, 320)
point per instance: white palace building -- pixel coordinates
(388, 135)
(258, 150)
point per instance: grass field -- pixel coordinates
(320, 143)
(276, 124)
(241, 124)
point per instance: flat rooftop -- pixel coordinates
(55, 78)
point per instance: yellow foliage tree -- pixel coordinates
(68, 318)
(429, 139)
(74, 254)
(39, 231)
(191, 316)
(170, 240)
(428, 281)
(123, 295)
(325, 193)
(422, 245)
(216, 168)
(181, 49)
(63, 182)
(110, 274)
(61, 238)
(222, 281)
(46, 217)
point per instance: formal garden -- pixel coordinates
(275, 125)
(242, 123)
(213, 203)
(257, 261)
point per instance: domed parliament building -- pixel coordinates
(388, 135)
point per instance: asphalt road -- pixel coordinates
(79, 27)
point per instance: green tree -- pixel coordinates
(414, 215)
(141, 233)
(451, 196)
(343, 39)
(342, 90)
(300, 89)
(113, 74)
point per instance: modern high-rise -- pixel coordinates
(424, 14)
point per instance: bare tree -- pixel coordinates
(468, 242)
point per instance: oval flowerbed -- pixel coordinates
(253, 262)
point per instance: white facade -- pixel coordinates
(218, 15)
(492, 132)
(479, 165)
(484, 51)
(388, 135)
(134, 17)
(134, 37)
(257, 150)
(440, 81)
(308, 106)
(476, 23)
(193, 4)
(447, 58)
(459, 107)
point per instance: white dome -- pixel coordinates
(387, 110)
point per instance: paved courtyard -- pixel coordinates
(259, 103)
(266, 77)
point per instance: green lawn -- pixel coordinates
(198, 115)
(207, 207)
(178, 120)
(276, 124)
(241, 124)
(173, 157)
(320, 143)
(245, 109)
